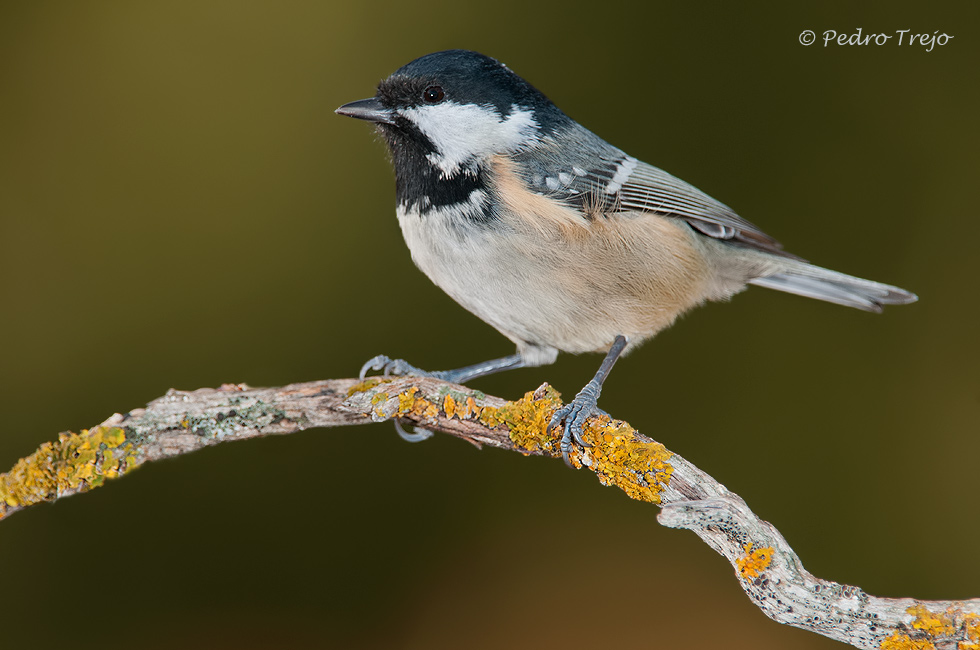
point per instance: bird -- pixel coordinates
(556, 238)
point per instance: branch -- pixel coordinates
(767, 568)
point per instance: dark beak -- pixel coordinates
(368, 109)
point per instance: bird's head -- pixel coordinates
(456, 109)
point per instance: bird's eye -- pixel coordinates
(433, 95)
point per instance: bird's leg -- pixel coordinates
(574, 414)
(400, 367)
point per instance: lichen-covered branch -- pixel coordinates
(765, 565)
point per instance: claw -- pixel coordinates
(397, 367)
(419, 434)
(573, 416)
(377, 363)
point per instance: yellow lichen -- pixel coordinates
(406, 400)
(472, 409)
(971, 628)
(928, 626)
(933, 624)
(75, 463)
(113, 437)
(366, 385)
(619, 457)
(527, 419)
(899, 641)
(411, 403)
(754, 562)
(617, 454)
(490, 416)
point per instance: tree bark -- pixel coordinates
(766, 567)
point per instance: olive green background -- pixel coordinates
(180, 207)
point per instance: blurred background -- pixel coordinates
(180, 207)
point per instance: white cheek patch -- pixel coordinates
(463, 133)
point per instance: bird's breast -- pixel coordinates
(541, 273)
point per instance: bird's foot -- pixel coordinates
(400, 368)
(572, 417)
(396, 367)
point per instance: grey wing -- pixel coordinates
(604, 179)
(649, 189)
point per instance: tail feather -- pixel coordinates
(823, 284)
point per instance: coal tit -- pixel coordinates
(553, 236)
